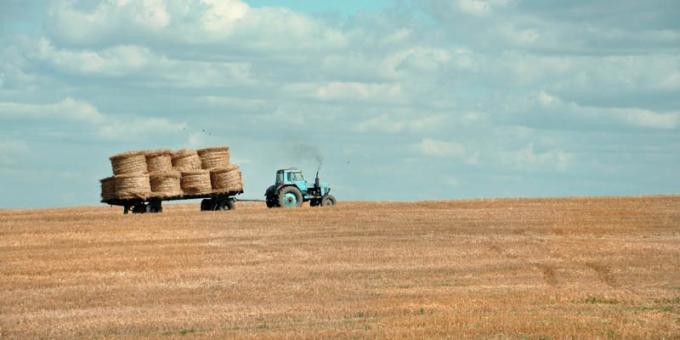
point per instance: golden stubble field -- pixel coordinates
(512, 268)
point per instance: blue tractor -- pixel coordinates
(291, 190)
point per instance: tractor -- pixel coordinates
(291, 190)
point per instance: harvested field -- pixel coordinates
(515, 268)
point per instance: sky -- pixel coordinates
(403, 99)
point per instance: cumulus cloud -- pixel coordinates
(480, 7)
(188, 23)
(528, 158)
(358, 91)
(85, 115)
(439, 148)
(394, 124)
(603, 116)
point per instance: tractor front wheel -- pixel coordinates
(290, 197)
(328, 201)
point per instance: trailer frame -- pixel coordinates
(215, 201)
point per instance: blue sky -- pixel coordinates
(404, 100)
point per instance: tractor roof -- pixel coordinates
(291, 170)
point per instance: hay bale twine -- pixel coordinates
(165, 184)
(186, 160)
(131, 186)
(133, 162)
(159, 161)
(196, 182)
(226, 179)
(212, 158)
(108, 188)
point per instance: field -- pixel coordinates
(511, 268)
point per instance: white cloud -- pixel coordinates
(143, 65)
(480, 7)
(78, 112)
(633, 117)
(222, 15)
(530, 159)
(394, 124)
(190, 23)
(67, 109)
(438, 148)
(116, 61)
(359, 91)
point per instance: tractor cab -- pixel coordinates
(291, 190)
(292, 177)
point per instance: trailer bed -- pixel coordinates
(223, 200)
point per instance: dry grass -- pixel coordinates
(550, 268)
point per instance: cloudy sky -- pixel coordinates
(404, 99)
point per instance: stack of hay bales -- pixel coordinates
(165, 180)
(131, 177)
(165, 174)
(224, 177)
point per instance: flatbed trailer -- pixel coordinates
(216, 201)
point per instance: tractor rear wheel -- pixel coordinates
(272, 203)
(328, 201)
(290, 197)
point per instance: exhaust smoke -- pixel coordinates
(307, 152)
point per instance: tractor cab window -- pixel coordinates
(295, 176)
(279, 177)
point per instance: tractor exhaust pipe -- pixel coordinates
(317, 182)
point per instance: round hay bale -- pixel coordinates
(132, 186)
(226, 179)
(196, 182)
(108, 188)
(133, 162)
(165, 184)
(159, 161)
(213, 158)
(186, 160)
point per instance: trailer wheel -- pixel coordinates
(231, 203)
(139, 208)
(154, 207)
(207, 205)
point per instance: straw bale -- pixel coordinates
(108, 188)
(212, 158)
(165, 184)
(226, 179)
(132, 186)
(196, 182)
(186, 160)
(159, 161)
(133, 162)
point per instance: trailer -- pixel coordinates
(215, 201)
